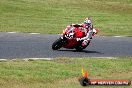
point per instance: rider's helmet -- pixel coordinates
(88, 22)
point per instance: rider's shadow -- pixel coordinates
(83, 51)
(87, 51)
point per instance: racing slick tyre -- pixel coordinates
(79, 47)
(57, 44)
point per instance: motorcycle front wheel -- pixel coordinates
(57, 44)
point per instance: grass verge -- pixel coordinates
(62, 72)
(112, 17)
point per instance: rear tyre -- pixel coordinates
(79, 47)
(57, 44)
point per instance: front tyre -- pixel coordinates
(57, 44)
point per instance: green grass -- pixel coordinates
(62, 72)
(112, 17)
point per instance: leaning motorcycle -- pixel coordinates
(68, 39)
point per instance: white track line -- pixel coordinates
(38, 59)
(34, 59)
(3, 59)
(34, 33)
(59, 34)
(106, 57)
(26, 59)
(20, 32)
(12, 32)
(119, 36)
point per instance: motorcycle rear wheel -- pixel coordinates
(79, 47)
(57, 44)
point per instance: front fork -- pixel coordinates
(64, 40)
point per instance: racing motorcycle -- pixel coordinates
(68, 39)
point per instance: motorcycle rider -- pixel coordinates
(87, 28)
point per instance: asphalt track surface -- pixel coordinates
(20, 45)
